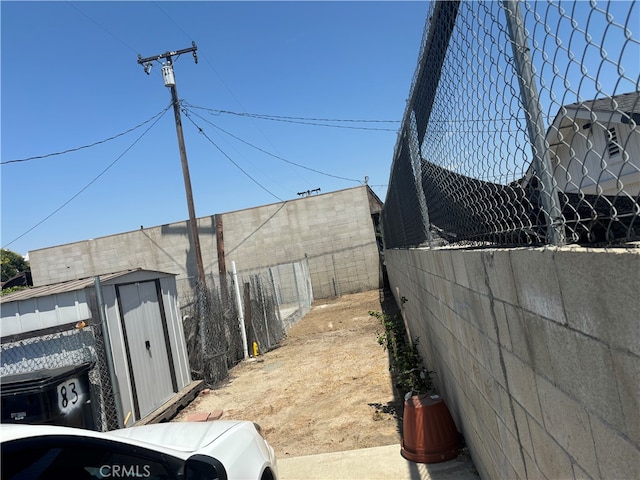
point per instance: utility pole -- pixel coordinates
(170, 81)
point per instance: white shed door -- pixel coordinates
(147, 347)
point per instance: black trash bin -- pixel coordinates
(56, 396)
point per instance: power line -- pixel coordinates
(90, 145)
(271, 154)
(172, 21)
(213, 69)
(200, 130)
(88, 184)
(304, 120)
(102, 27)
(307, 120)
(315, 124)
(262, 115)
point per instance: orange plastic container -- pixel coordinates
(429, 434)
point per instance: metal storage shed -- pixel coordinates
(60, 324)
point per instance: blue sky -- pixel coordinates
(69, 78)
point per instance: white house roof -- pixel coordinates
(626, 102)
(72, 285)
(608, 110)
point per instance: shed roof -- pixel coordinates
(71, 285)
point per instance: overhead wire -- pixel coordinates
(186, 107)
(172, 21)
(262, 115)
(186, 111)
(308, 120)
(215, 71)
(88, 184)
(102, 27)
(5, 162)
(202, 132)
(304, 120)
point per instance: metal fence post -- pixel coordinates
(535, 124)
(416, 162)
(243, 332)
(295, 282)
(263, 302)
(307, 275)
(336, 287)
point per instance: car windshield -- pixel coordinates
(64, 458)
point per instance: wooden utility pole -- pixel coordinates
(222, 264)
(170, 81)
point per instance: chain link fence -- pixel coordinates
(105, 413)
(284, 289)
(71, 347)
(270, 300)
(56, 350)
(521, 128)
(212, 332)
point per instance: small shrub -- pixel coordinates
(17, 288)
(406, 361)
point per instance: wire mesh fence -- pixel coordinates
(263, 316)
(222, 322)
(521, 128)
(290, 286)
(73, 347)
(212, 332)
(105, 413)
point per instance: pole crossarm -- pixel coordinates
(169, 55)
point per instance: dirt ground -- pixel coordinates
(327, 388)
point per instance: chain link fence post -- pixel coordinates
(535, 123)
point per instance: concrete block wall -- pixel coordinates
(334, 230)
(536, 352)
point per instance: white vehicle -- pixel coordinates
(219, 450)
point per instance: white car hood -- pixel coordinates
(180, 436)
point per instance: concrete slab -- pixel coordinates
(377, 463)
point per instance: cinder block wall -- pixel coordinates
(537, 354)
(334, 230)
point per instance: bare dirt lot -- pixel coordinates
(327, 388)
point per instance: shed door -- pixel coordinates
(147, 350)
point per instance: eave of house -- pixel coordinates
(605, 111)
